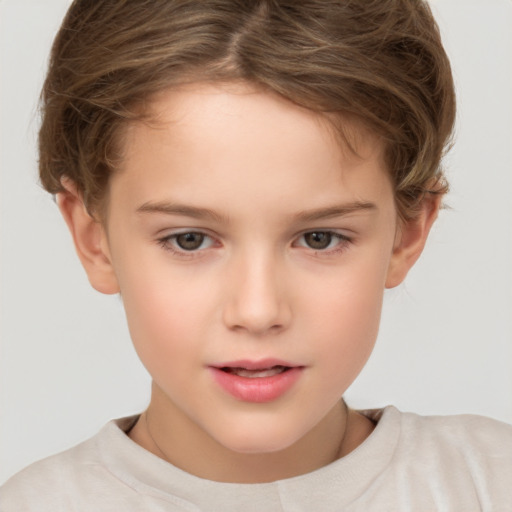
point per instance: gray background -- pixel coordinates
(67, 365)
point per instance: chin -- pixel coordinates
(264, 440)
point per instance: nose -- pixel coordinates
(257, 300)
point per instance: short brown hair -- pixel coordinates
(381, 61)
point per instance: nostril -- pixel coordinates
(258, 309)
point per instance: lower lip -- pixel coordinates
(257, 389)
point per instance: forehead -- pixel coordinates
(211, 101)
(242, 140)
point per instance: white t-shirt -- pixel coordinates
(408, 463)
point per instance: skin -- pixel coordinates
(261, 174)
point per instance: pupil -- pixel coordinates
(318, 239)
(190, 241)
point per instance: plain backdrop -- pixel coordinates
(445, 346)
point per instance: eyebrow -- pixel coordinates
(181, 209)
(303, 216)
(334, 211)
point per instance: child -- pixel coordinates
(250, 177)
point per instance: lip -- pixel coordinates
(256, 389)
(259, 364)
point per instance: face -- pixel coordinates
(251, 251)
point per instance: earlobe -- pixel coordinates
(410, 241)
(90, 239)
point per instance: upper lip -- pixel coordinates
(260, 364)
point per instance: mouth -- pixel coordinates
(256, 373)
(256, 381)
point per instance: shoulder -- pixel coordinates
(63, 481)
(460, 459)
(464, 438)
(472, 435)
(51, 482)
(450, 463)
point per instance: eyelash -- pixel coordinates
(342, 245)
(169, 243)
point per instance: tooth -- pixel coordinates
(253, 374)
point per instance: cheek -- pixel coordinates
(162, 311)
(346, 317)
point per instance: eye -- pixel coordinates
(188, 241)
(322, 240)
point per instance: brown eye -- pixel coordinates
(190, 241)
(318, 239)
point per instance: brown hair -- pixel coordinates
(381, 61)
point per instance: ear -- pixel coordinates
(90, 239)
(410, 240)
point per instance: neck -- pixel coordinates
(188, 447)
